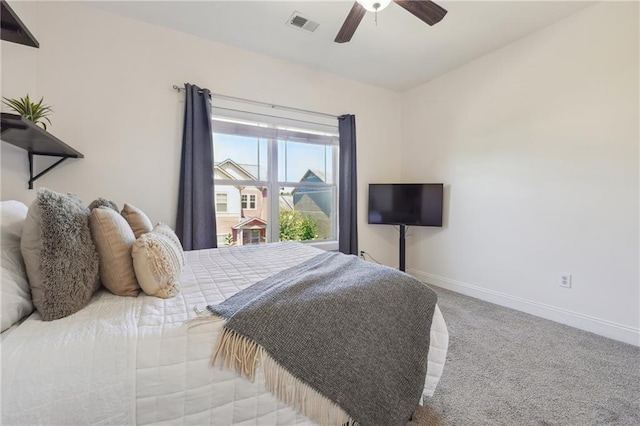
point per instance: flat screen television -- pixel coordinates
(415, 204)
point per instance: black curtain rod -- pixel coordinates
(264, 104)
(181, 89)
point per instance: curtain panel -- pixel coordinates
(348, 187)
(196, 223)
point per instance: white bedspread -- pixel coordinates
(125, 360)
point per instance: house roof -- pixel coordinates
(243, 171)
(250, 223)
(312, 172)
(286, 202)
(310, 176)
(224, 172)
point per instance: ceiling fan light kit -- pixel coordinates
(374, 5)
(425, 10)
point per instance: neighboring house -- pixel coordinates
(252, 230)
(235, 204)
(241, 211)
(315, 203)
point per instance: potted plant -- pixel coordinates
(36, 112)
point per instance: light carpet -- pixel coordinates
(505, 367)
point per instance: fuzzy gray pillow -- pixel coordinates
(59, 254)
(103, 202)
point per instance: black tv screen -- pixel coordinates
(417, 204)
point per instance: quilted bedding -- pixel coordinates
(124, 360)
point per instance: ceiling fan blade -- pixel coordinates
(426, 10)
(351, 23)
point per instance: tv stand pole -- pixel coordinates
(402, 244)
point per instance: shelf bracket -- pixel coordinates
(33, 178)
(18, 131)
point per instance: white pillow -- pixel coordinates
(16, 295)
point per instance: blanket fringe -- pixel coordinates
(202, 317)
(239, 353)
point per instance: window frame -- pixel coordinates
(273, 185)
(226, 202)
(248, 201)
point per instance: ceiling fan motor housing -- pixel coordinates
(425, 10)
(374, 5)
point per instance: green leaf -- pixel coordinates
(36, 112)
(294, 226)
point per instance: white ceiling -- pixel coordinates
(399, 53)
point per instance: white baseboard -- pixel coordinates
(595, 325)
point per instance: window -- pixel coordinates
(251, 204)
(221, 202)
(283, 176)
(254, 236)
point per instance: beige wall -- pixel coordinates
(537, 144)
(110, 82)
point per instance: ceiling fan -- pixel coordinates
(425, 10)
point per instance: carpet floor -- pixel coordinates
(505, 367)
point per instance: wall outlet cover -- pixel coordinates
(565, 280)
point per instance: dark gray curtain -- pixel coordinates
(348, 187)
(196, 224)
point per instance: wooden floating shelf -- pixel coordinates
(16, 129)
(24, 134)
(13, 29)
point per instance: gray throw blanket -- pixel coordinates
(350, 331)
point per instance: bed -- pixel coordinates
(138, 360)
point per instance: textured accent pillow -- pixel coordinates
(59, 254)
(103, 202)
(166, 230)
(16, 296)
(158, 263)
(137, 219)
(114, 239)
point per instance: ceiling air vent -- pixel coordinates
(297, 20)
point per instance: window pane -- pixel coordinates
(239, 225)
(300, 162)
(306, 213)
(240, 157)
(221, 202)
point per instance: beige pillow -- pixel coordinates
(137, 219)
(158, 263)
(114, 239)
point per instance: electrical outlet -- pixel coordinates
(565, 280)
